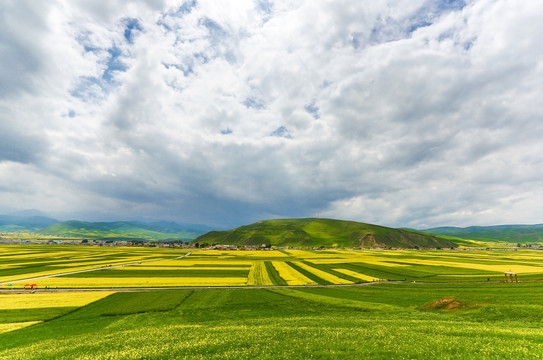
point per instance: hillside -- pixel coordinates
(314, 232)
(499, 233)
(123, 230)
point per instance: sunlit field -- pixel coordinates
(417, 304)
(60, 266)
(384, 321)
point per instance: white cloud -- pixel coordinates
(402, 113)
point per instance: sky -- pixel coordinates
(404, 113)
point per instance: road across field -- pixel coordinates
(136, 289)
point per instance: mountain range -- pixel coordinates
(305, 232)
(522, 234)
(117, 230)
(19, 223)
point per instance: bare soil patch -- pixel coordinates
(444, 304)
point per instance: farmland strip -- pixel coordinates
(291, 276)
(258, 275)
(328, 268)
(273, 274)
(325, 275)
(308, 274)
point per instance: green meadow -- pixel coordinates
(160, 303)
(400, 321)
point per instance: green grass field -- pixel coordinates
(385, 321)
(446, 304)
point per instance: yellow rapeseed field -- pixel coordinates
(291, 276)
(18, 278)
(487, 267)
(11, 253)
(74, 265)
(102, 263)
(305, 254)
(356, 274)
(46, 300)
(240, 267)
(197, 262)
(259, 275)
(97, 282)
(260, 254)
(360, 259)
(16, 326)
(323, 274)
(188, 268)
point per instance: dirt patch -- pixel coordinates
(444, 304)
(368, 241)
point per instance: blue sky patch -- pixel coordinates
(187, 7)
(451, 5)
(131, 25)
(90, 87)
(313, 110)
(253, 103)
(113, 64)
(281, 131)
(90, 48)
(215, 30)
(416, 25)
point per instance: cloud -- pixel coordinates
(402, 113)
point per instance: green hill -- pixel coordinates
(500, 233)
(314, 232)
(121, 230)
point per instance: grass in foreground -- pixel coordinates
(490, 321)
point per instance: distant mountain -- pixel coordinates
(171, 227)
(124, 230)
(25, 223)
(314, 232)
(32, 221)
(498, 233)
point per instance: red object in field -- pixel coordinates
(33, 285)
(27, 285)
